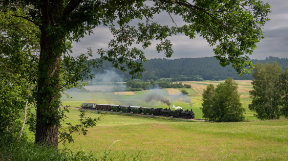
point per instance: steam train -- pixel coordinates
(185, 114)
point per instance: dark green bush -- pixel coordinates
(134, 89)
(187, 86)
(183, 91)
(222, 103)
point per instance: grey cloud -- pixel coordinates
(98, 39)
(275, 42)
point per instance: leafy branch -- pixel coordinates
(81, 128)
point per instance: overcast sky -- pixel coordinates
(275, 42)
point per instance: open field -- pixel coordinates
(124, 137)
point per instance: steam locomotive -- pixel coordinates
(185, 114)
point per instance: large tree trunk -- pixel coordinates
(48, 94)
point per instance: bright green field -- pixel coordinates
(124, 137)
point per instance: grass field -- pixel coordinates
(124, 137)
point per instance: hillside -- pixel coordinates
(184, 69)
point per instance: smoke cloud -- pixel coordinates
(156, 97)
(109, 88)
(108, 81)
(182, 98)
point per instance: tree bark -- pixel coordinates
(52, 45)
(48, 94)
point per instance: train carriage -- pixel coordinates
(187, 114)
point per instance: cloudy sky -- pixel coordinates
(275, 42)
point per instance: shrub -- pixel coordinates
(184, 92)
(222, 103)
(187, 86)
(12, 103)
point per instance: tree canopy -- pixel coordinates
(232, 27)
(18, 64)
(223, 102)
(269, 94)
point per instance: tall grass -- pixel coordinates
(25, 151)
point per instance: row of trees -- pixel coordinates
(270, 91)
(138, 85)
(269, 96)
(189, 69)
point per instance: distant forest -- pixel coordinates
(188, 69)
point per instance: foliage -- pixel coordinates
(222, 103)
(187, 86)
(11, 105)
(218, 23)
(184, 92)
(266, 96)
(143, 85)
(208, 108)
(76, 69)
(19, 58)
(283, 87)
(65, 134)
(269, 94)
(18, 61)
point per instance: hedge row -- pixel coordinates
(186, 114)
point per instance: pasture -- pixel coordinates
(128, 137)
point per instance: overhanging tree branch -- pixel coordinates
(28, 19)
(72, 5)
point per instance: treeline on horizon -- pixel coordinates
(188, 69)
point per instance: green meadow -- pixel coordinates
(129, 137)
